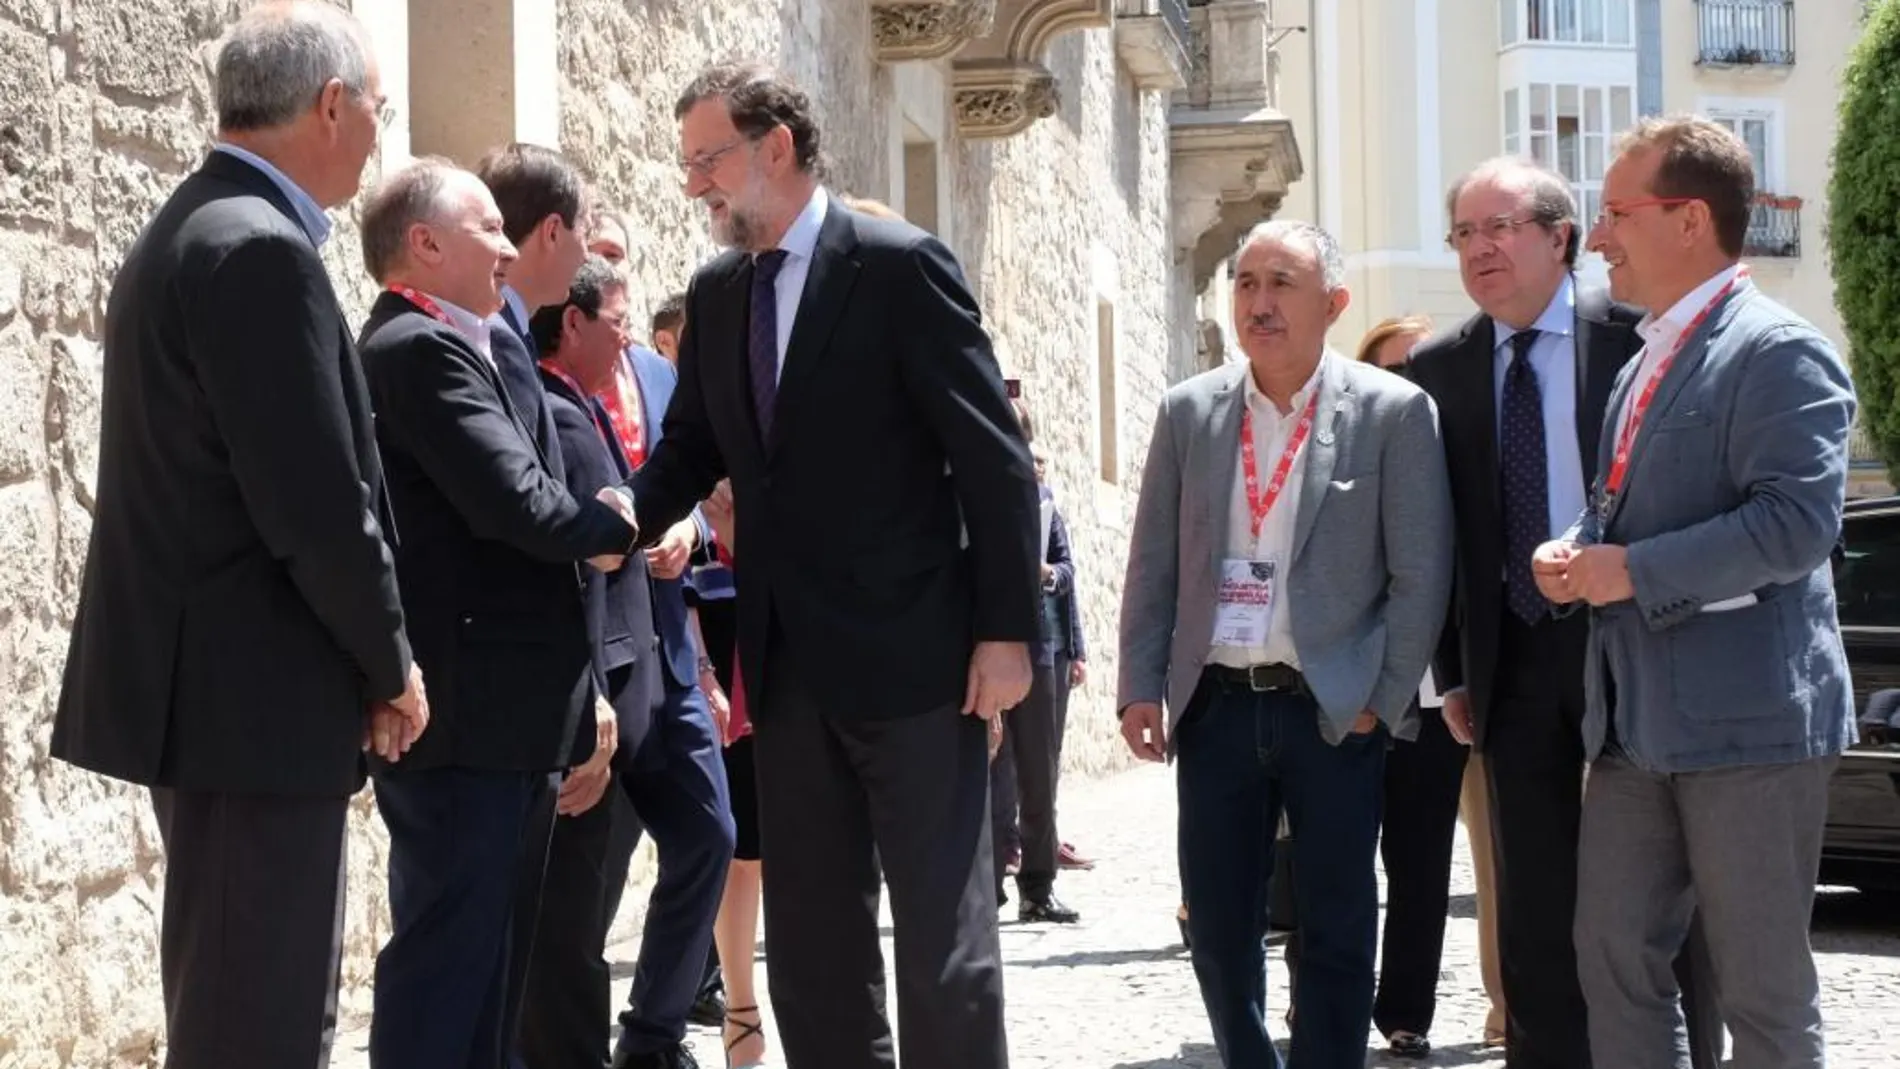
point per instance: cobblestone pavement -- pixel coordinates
(1117, 992)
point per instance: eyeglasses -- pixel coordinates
(704, 163)
(1494, 229)
(385, 114)
(1616, 213)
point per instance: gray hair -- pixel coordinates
(1551, 201)
(1332, 264)
(416, 194)
(280, 56)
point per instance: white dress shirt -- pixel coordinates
(1271, 431)
(800, 240)
(1554, 360)
(468, 325)
(1660, 334)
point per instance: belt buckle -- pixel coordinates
(1258, 681)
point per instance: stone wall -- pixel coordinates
(104, 107)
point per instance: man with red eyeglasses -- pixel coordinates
(1718, 699)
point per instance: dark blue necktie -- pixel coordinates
(762, 337)
(1526, 480)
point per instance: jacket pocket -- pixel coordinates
(1730, 666)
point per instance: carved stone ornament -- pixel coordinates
(929, 30)
(1004, 110)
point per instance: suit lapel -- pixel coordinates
(1689, 359)
(1599, 358)
(1330, 417)
(1477, 361)
(834, 271)
(1223, 465)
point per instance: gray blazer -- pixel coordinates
(1734, 491)
(1371, 567)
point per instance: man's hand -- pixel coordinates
(1457, 714)
(1600, 575)
(1145, 731)
(620, 501)
(717, 701)
(1048, 574)
(667, 559)
(1078, 673)
(999, 678)
(585, 785)
(395, 725)
(1365, 723)
(718, 512)
(1550, 566)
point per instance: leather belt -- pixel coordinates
(1260, 678)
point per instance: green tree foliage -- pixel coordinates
(1863, 223)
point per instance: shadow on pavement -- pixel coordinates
(1856, 922)
(1191, 1056)
(1128, 956)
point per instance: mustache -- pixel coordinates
(1265, 322)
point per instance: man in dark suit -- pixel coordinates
(835, 367)
(239, 639)
(491, 590)
(671, 775)
(1521, 389)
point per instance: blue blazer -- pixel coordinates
(1061, 624)
(1730, 653)
(656, 379)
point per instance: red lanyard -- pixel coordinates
(1626, 437)
(1260, 503)
(420, 300)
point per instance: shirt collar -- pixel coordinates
(1256, 398)
(518, 306)
(466, 323)
(1559, 317)
(310, 214)
(1668, 326)
(802, 236)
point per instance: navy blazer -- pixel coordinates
(1061, 630)
(656, 379)
(619, 605)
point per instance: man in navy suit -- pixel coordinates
(607, 413)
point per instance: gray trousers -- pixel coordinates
(1741, 846)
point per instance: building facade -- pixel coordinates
(1401, 96)
(1086, 159)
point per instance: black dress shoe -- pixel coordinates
(671, 1058)
(709, 1010)
(1046, 911)
(1410, 1045)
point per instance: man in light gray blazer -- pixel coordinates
(1717, 697)
(1288, 577)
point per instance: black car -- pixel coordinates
(1861, 847)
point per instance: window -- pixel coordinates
(1753, 130)
(1867, 576)
(1108, 441)
(1586, 22)
(1569, 128)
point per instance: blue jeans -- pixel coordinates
(1242, 756)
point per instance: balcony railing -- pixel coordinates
(1175, 14)
(1745, 33)
(1774, 227)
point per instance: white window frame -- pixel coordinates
(1566, 22)
(1516, 131)
(1774, 113)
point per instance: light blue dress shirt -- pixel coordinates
(1554, 359)
(309, 212)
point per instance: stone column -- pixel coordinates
(482, 73)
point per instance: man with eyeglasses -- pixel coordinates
(1718, 692)
(1521, 389)
(834, 364)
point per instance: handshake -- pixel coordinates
(622, 502)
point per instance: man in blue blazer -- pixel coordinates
(1717, 695)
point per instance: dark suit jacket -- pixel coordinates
(619, 605)
(238, 610)
(852, 574)
(1458, 370)
(490, 541)
(1061, 630)
(657, 381)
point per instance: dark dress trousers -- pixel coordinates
(238, 610)
(1525, 683)
(858, 609)
(668, 771)
(493, 594)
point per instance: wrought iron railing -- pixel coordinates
(1745, 33)
(1774, 227)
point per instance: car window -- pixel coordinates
(1867, 580)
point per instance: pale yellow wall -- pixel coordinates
(1804, 99)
